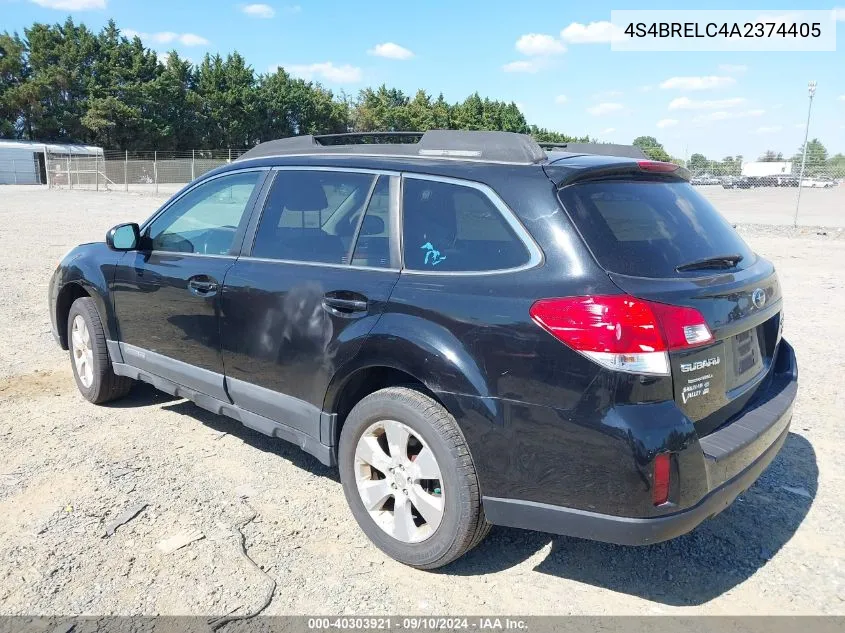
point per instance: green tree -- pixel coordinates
(16, 94)
(61, 59)
(836, 166)
(118, 112)
(229, 101)
(469, 115)
(770, 156)
(698, 163)
(63, 82)
(544, 135)
(441, 113)
(175, 105)
(816, 163)
(652, 148)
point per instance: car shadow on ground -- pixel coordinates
(143, 394)
(690, 570)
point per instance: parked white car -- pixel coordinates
(821, 183)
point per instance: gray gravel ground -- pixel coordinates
(70, 468)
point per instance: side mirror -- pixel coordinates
(124, 237)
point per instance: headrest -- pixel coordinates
(307, 195)
(372, 225)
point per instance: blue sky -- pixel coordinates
(716, 103)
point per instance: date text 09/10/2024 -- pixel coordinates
(421, 623)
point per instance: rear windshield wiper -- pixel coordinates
(720, 261)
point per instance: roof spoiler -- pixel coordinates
(499, 147)
(600, 149)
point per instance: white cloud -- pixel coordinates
(685, 103)
(722, 115)
(71, 5)
(605, 108)
(840, 98)
(733, 68)
(647, 88)
(664, 123)
(839, 14)
(524, 66)
(327, 71)
(168, 37)
(391, 51)
(264, 11)
(769, 129)
(608, 130)
(561, 99)
(189, 39)
(593, 33)
(697, 83)
(535, 44)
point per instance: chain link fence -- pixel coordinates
(733, 174)
(762, 191)
(145, 172)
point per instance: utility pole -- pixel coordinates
(812, 90)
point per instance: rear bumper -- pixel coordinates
(735, 457)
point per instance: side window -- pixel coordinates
(372, 247)
(312, 216)
(449, 227)
(206, 218)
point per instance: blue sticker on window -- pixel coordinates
(432, 255)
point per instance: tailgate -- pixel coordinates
(663, 242)
(744, 312)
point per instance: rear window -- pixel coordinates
(647, 229)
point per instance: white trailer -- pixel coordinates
(766, 168)
(25, 162)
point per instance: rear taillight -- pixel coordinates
(660, 485)
(622, 332)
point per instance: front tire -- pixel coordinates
(409, 479)
(89, 356)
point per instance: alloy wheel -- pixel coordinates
(83, 355)
(399, 481)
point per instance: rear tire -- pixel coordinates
(89, 356)
(433, 470)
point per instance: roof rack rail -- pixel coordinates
(496, 147)
(364, 137)
(600, 149)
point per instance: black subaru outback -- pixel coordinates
(475, 331)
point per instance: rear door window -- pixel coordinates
(457, 228)
(312, 216)
(648, 229)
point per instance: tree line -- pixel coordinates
(818, 162)
(63, 82)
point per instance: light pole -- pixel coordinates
(811, 87)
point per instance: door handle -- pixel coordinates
(202, 286)
(346, 306)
